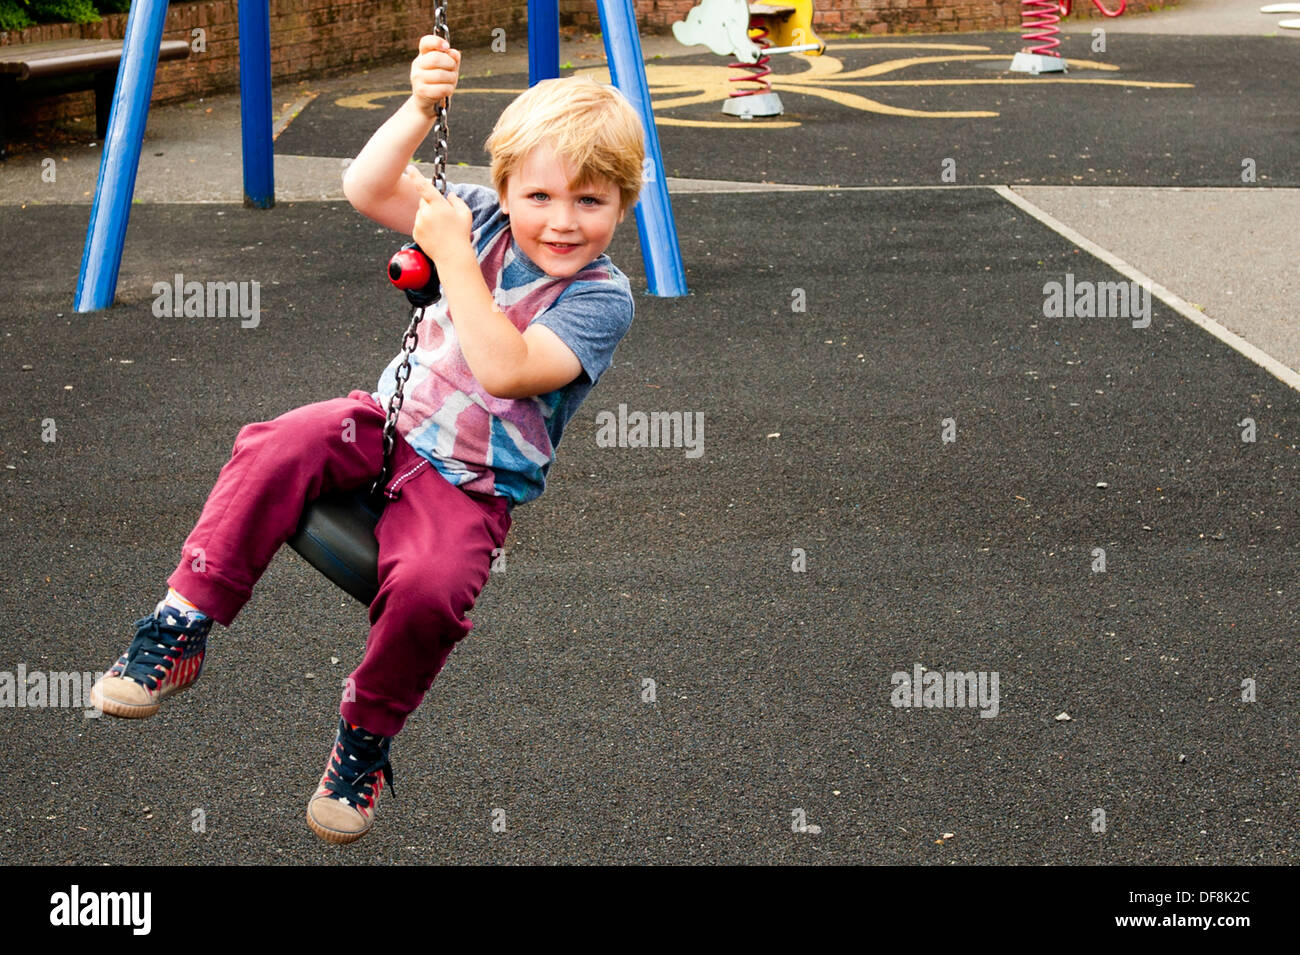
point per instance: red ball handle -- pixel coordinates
(414, 273)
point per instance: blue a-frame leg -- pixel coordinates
(255, 102)
(102, 256)
(654, 213)
(111, 211)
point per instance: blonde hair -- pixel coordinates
(588, 123)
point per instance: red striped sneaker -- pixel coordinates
(165, 657)
(343, 807)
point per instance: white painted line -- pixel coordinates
(724, 185)
(1232, 340)
(289, 114)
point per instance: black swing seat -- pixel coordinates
(337, 536)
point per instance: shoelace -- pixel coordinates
(157, 644)
(352, 783)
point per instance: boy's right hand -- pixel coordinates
(434, 73)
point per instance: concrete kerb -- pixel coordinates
(192, 150)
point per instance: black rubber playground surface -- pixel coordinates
(823, 436)
(1173, 111)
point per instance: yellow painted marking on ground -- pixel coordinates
(908, 46)
(1064, 81)
(741, 124)
(889, 66)
(672, 86)
(853, 101)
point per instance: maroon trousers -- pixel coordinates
(436, 543)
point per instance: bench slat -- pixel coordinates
(61, 57)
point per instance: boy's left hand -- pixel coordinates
(443, 224)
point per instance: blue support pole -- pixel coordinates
(654, 213)
(543, 40)
(255, 102)
(111, 211)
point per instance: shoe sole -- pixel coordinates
(130, 711)
(333, 835)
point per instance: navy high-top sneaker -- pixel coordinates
(165, 657)
(343, 806)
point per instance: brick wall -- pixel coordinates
(308, 38)
(323, 37)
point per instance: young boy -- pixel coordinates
(530, 314)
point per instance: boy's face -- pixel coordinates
(559, 230)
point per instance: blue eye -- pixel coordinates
(592, 200)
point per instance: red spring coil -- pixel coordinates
(1042, 16)
(754, 71)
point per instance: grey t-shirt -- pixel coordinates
(505, 446)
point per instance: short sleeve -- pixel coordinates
(482, 201)
(591, 318)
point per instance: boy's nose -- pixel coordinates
(562, 217)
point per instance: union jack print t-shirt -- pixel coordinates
(505, 446)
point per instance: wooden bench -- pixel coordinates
(76, 60)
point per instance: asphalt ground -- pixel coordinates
(1149, 111)
(822, 432)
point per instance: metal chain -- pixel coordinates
(440, 121)
(411, 338)
(403, 372)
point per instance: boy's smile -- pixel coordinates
(560, 231)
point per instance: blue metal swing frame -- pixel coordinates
(109, 215)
